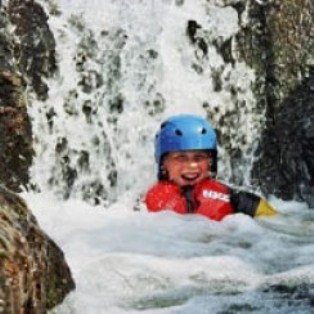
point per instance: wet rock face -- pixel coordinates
(286, 166)
(278, 43)
(34, 275)
(15, 132)
(35, 51)
(26, 56)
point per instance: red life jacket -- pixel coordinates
(210, 198)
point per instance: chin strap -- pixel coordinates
(187, 192)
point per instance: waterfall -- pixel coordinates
(124, 66)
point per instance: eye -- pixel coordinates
(203, 131)
(179, 158)
(201, 157)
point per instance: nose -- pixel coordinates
(192, 163)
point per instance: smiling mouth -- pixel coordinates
(190, 177)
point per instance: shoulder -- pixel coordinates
(212, 189)
(163, 187)
(213, 198)
(212, 185)
(162, 195)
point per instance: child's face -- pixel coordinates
(187, 167)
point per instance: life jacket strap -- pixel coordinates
(187, 192)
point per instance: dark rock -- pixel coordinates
(286, 163)
(15, 132)
(34, 275)
(25, 58)
(35, 51)
(191, 30)
(278, 43)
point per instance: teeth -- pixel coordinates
(189, 176)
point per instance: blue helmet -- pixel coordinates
(185, 132)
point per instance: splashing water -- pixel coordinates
(124, 66)
(126, 261)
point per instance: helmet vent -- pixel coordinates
(163, 124)
(178, 132)
(203, 131)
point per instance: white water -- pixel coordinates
(135, 262)
(126, 261)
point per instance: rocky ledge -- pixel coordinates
(34, 275)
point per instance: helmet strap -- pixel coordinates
(162, 174)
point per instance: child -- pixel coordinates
(186, 154)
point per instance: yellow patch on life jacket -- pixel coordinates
(265, 209)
